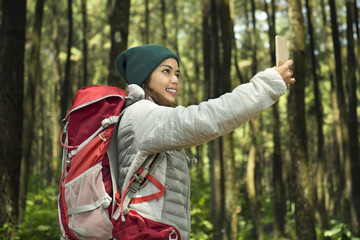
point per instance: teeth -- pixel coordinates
(171, 90)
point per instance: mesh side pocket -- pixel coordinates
(87, 204)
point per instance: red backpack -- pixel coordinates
(85, 188)
(89, 202)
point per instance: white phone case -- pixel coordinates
(281, 51)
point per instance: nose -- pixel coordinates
(174, 79)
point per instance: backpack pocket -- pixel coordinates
(137, 226)
(87, 203)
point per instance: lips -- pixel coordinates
(171, 90)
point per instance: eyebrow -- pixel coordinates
(165, 65)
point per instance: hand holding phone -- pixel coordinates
(281, 51)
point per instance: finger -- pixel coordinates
(288, 64)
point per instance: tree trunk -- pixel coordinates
(215, 147)
(85, 43)
(338, 177)
(230, 192)
(254, 39)
(250, 180)
(56, 91)
(217, 193)
(357, 27)
(352, 124)
(301, 178)
(66, 85)
(278, 198)
(320, 170)
(12, 48)
(29, 105)
(343, 117)
(254, 123)
(176, 27)
(119, 23)
(207, 48)
(215, 171)
(163, 22)
(147, 22)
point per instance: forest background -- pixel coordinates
(290, 173)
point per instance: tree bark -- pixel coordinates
(56, 91)
(147, 22)
(250, 180)
(320, 161)
(352, 124)
(357, 27)
(85, 43)
(254, 123)
(176, 27)
(119, 23)
(343, 129)
(207, 48)
(300, 165)
(29, 105)
(67, 82)
(217, 193)
(230, 193)
(163, 23)
(278, 198)
(338, 177)
(12, 48)
(210, 19)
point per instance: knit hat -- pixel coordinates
(136, 64)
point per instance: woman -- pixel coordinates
(151, 124)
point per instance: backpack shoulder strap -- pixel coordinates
(140, 178)
(112, 155)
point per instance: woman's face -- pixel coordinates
(164, 82)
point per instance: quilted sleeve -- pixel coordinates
(159, 129)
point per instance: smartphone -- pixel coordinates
(281, 51)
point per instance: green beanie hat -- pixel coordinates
(136, 64)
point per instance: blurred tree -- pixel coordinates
(278, 198)
(29, 104)
(342, 126)
(119, 23)
(254, 126)
(147, 22)
(338, 177)
(301, 187)
(12, 49)
(319, 148)
(215, 147)
(163, 22)
(353, 123)
(67, 81)
(84, 82)
(230, 193)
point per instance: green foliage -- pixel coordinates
(6, 230)
(339, 231)
(201, 227)
(40, 220)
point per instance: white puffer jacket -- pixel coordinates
(147, 128)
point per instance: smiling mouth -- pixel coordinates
(171, 90)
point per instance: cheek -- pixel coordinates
(158, 83)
